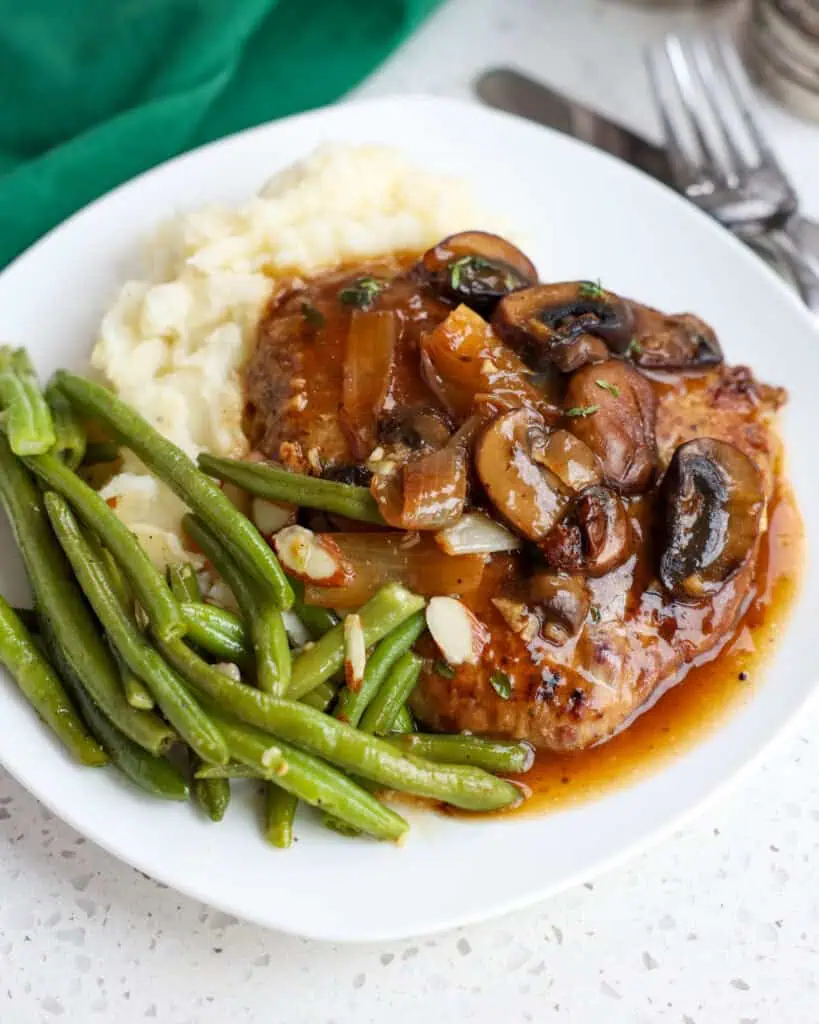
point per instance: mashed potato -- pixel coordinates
(173, 343)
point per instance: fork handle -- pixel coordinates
(805, 277)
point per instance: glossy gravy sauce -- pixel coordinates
(292, 350)
(684, 713)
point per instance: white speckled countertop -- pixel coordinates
(719, 925)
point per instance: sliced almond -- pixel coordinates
(270, 517)
(460, 636)
(297, 632)
(310, 558)
(355, 652)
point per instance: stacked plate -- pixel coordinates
(783, 52)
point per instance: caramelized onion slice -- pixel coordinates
(434, 489)
(414, 559)
(476, 533)
(369, 363)
(462, 359)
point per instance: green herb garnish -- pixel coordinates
(594, 613)
(634, 348)
(362, 292)
(612, 388)
(465, 263)
(591, 290)
(581, 411)
(444, 669)
(501, 684)
(313, 316)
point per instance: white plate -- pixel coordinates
(587, 216)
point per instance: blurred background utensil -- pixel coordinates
(718, 155)
(516, 93)
(782, 51)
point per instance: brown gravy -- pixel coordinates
(685, 713)
(292, 351)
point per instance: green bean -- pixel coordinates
(353, 703)
(403, 721)
(153, 774)
(79, 653)
(212, 795)
(170, 693)
(70, 441)
(493, 755)
(391, 697)
(379, 616)
(317, 621)
(29, 618)
(216, 631)
(199, 492)
(326, 737)
(184, 583)
(151, 589)
(267, 632)
(320, 697)
(311, 780)
(28, 421)
(97, 452)
(232, 770)
(136, 692)
(277, 484)
(279, 812)
(43, 689)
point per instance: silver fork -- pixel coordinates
(719, 156)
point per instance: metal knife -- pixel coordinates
(516, 93)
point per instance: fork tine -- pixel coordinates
(741, 91)
(709, 81)
(674, 142)
(687, 92)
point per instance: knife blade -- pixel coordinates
(515, 93)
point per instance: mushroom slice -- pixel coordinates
(570, 459)
(567, 325)
(612, 408)
(713, 502)
(593, 537)
(563, 602)
(681, 342)
(477, 268)
(528, 495)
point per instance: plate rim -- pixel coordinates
(141, 861)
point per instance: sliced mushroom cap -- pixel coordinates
(713, 500)
(567, 325)
(593, 537)
(563, 603)
(528, 495)
(612, 408)
(477, 268)
(417, 427)
(570, 459)
(681, 342)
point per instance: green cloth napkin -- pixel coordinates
(98, 90)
